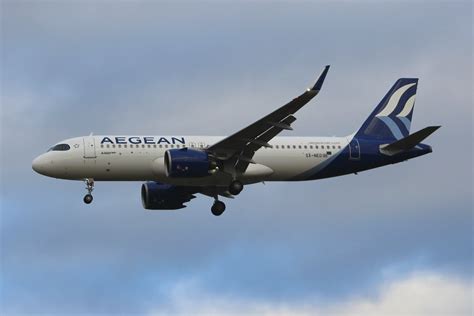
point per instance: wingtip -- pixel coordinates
(319, 83)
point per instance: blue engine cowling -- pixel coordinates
(187, 163)
(160, 196)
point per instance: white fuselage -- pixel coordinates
(141, 158)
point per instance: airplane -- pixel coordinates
(176, 168)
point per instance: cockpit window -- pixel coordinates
(60, 147)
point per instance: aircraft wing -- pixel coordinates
(242, 145)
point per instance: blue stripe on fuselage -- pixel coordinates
(370, 158)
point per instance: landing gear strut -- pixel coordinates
(89, 187)
(218, 208)
(235, 187)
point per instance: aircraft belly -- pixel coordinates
(285, 165)
(122, 168)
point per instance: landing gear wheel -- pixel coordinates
(89, 187)
(88, 198)
(235, 187)
(218, 208)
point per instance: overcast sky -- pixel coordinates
(393, 241)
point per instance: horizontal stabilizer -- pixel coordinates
(408, 142)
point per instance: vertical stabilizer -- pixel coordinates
(391, 119)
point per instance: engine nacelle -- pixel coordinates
(188, 163)
(160, 196)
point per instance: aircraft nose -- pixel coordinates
(39, 164)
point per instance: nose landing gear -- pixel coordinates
(88, 198)
(89, 187)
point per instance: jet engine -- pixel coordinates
(188, 163)
(160, 196)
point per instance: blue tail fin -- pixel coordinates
(391, 119)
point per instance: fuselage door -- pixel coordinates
(354, 149)
(89, 147)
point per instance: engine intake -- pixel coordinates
(188, 163)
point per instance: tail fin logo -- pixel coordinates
(407, 109)
(404, 109)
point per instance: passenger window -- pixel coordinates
(311, 147)
(124, 146)
(119, 146)
(154, 146)
(305, 147)
(299, 146)
(108, 146)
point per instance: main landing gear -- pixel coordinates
(89, 187)
(235, 187)
(218, 208)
